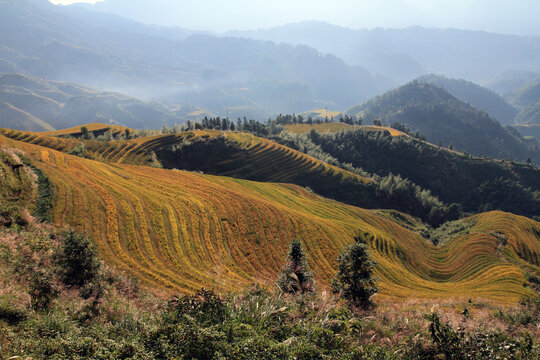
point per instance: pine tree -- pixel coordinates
(354, 280)
(295, 276)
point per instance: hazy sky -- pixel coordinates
(505, 16)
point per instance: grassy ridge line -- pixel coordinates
(179, 231)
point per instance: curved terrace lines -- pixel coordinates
(179, 230)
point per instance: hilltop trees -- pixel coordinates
(295, 276)
(85, 133)
(354, 280)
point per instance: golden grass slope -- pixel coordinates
(321, 113)
(338, 126)
(179, 231)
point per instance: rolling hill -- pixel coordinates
(238, 155)
(178, 230)
(34, 104)
(444, 119)
(440, 177)
(16, 118)
(252, 157)
(527, 99)
(527, 95)
(476, 183)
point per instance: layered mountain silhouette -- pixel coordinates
(445, 119)
(404, 54)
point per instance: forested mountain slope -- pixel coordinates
(444, 119)
(475, 183)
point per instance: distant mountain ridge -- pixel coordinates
(444, 119)
(509, 81)
(416, 50)
(479, 97)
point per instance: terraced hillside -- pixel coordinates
(179, 231)
(335, 127)
(242, 156)
(247, 156)
(36, 104)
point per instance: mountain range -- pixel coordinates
(220, 74)
(404, 54)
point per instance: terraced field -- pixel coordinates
(179, 231)
(252, 158)
(92, 127)
(335, 127)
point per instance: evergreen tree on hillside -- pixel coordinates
(354, 280)
(295, 276)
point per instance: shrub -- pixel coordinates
(78, 150)
(42, 290)
(11, 311)
(295, 276)
(204, 306)
(78, 260)
(10, 215)
(189, 326)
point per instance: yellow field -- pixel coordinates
(179, 231)
(336, 127)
